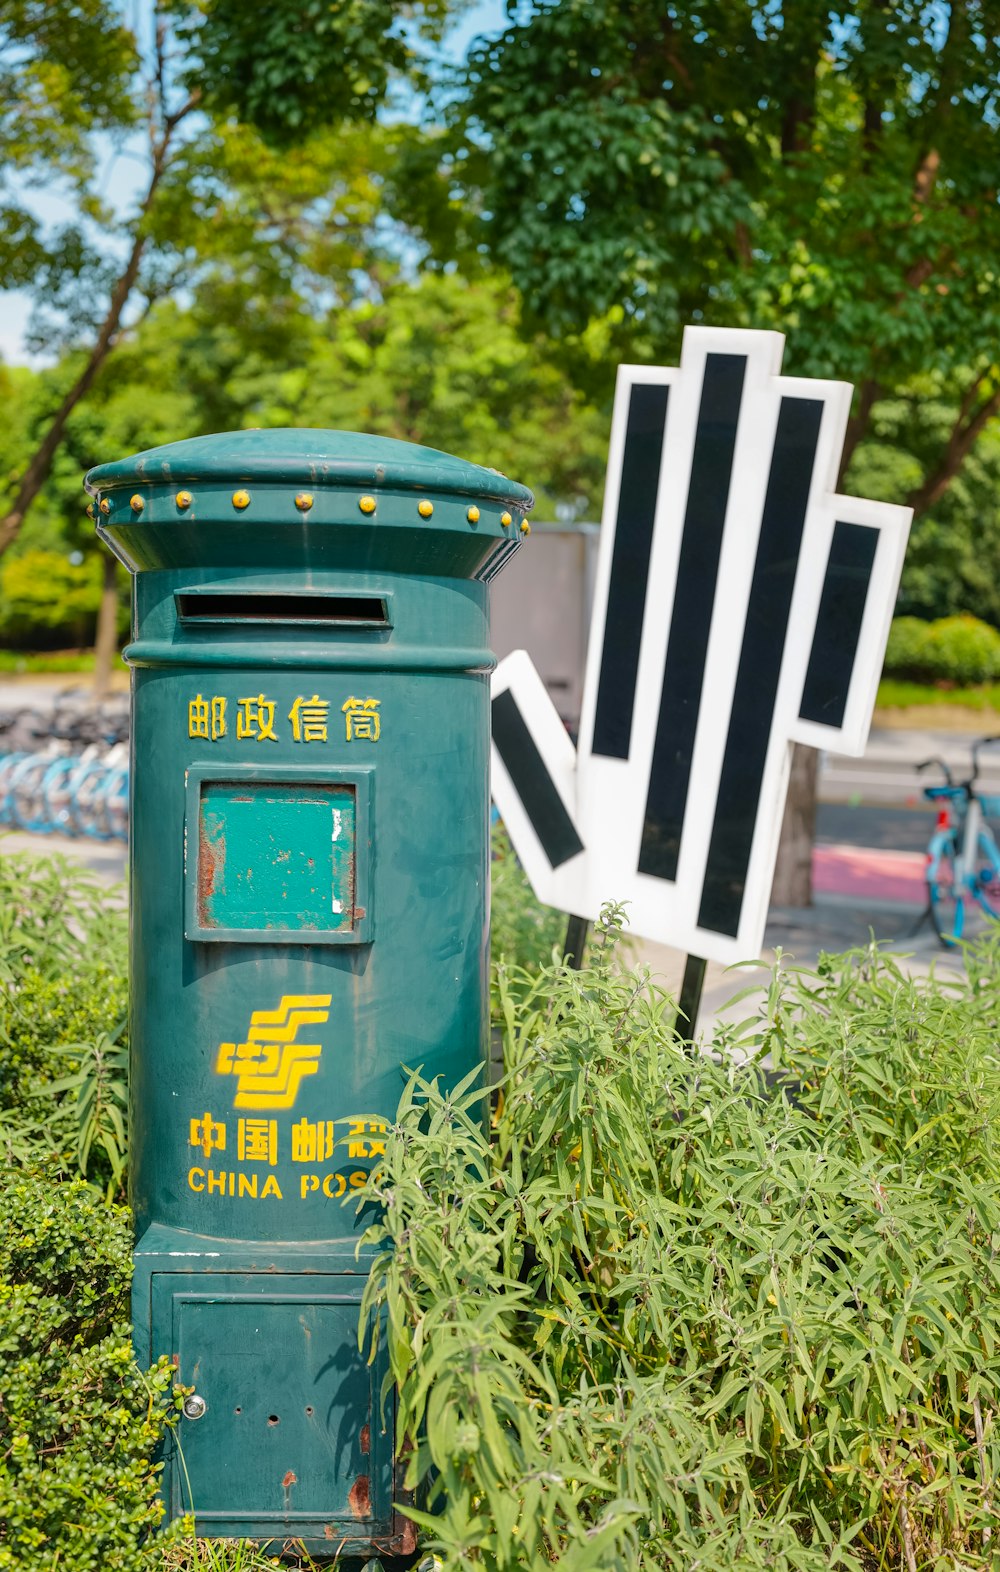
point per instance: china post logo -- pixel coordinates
(272, 1064)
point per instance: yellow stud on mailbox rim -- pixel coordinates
(366, 504)
(136, 503)
(241, 499)
(506, 520)
(105, 506)
(473, 515)
(425, 508)
(183, 499)
(303, 501)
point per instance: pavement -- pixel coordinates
(39, 690)
(860, 891)
(832, 924)
(107, 859)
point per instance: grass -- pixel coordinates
(896, 694)
(34, 661)
(218, 1555)
(237, 1555)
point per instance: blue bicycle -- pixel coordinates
(963, 858)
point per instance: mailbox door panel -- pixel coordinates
(289, 1442)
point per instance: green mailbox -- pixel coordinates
(309, 870)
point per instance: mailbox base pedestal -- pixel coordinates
(282, 1437)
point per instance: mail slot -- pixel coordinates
(342, 611)
(309, 878)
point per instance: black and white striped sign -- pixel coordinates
(741, 605)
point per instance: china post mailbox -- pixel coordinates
(309, 880)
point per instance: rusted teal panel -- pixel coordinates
(274, 856)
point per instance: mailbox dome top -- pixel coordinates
(307, 456)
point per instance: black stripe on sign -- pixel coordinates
(687, 644)
(838, 624)
(640, 477)
(532, 782)
(752, 716)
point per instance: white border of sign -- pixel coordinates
(606, 797)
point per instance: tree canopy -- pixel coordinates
(214, 200)
(334, 226)
(832, 172)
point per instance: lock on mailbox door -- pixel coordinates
(309, 875)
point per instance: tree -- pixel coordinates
(829, 173)
(285, 223)
(951, 563)
(832, 173)
(442, 361)
(212, 195)
(43, 47)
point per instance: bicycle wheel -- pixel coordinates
(988, 875)
(87, 800)
(24, 792)
(946, 895)
(55, 793)
(116, 802)
(962, 908)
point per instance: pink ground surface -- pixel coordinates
(869, 874)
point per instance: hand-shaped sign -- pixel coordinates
(741, 605)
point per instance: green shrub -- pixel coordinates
(670, 1314)
(907, 647)
(522, 932)
(44, 1013)
(79, 1422)
(45, 597)
(57, 919)
(955, 650)
(965, 650)
(63, 1003)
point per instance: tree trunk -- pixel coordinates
(106, 644)
(793, 871)
(37, 471)
(964, 434)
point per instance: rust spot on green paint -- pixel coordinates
(360, 1497)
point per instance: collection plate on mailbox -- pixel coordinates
(270, 855)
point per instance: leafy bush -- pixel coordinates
(522, 933)
(907, 646)
(57, 919)
(677, 1313)
(953, 650)
(63, 1003)
(45, 597)
(79, 1422)
(45, 1013)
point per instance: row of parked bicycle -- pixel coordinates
(65, 771)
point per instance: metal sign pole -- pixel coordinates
(575, 946)
(689, 1002)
